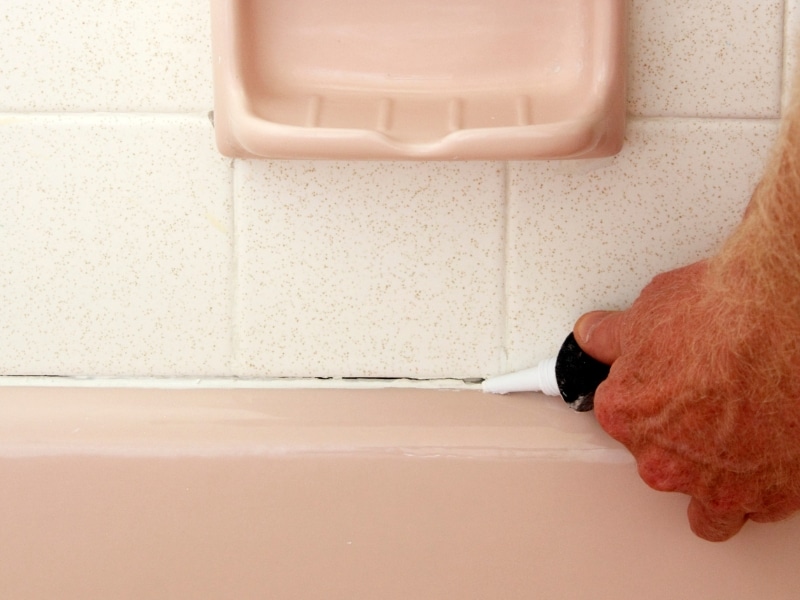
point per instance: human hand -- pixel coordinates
(704, 390)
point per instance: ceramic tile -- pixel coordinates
(705, 58)
(115, 247)
(583, 239)
(82, 55)
(371, 269)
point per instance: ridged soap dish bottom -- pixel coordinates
(451, 79)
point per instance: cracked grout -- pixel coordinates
(190, 383)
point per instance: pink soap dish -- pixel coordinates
(419, 79)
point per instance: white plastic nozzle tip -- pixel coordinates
(541, 378)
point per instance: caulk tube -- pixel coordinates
(573, 374)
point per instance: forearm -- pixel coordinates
(763, 254)
(753, 297)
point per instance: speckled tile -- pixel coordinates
(705, 58)
(84, 55)
(583, 239)
(372, 269)
(115, 247)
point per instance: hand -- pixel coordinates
(704, 390)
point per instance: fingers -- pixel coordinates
(598, 334)
(714, 523)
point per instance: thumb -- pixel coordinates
(597, 333)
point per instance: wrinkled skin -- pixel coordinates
(704, 387)
(696, 394)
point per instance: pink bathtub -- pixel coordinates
(346, 494)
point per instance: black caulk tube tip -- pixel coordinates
(578, 375)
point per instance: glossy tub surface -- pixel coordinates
(119, 493)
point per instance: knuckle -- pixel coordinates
(659, 472)
(775, 510)
(612, 411)
(612, 421)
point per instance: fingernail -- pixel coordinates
(586, 325)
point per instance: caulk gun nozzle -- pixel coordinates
(520, 381)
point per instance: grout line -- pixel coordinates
(504, 306)
(205, 115)
(787, 76)
(233, 284)
(631, 118)
(783, 55)
(229, 383)
(107, 113)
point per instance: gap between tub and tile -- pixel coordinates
(280, 383)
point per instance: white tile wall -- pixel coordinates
(110, 55)
(706, 58)
(129, 247)
(115, 256)
(581, 240)
(369, 269)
